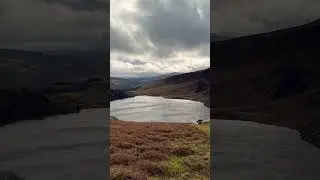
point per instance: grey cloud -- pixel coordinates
(39, 24)
(159, 36)
(243, 17)
(178, 23)
(120, 41)
(204, 50)
(136, 62)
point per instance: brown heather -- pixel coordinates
(158, 150)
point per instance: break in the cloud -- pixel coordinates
(243, 17)
(54, 24)
(158, 36)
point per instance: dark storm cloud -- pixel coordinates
(241, 17)
(40, 24)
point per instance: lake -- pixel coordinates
(159, 109)
(71, 147)
(249, 151)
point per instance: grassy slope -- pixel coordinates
(191, 86)
(158, 151)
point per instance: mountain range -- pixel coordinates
(128, 83)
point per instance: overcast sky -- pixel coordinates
(242, 17)
(149, 37)
(54, 24)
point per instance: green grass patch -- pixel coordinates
(191, 167)
(176, 166)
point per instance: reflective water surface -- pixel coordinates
(246, 150)
(159, 109)
(71, 147)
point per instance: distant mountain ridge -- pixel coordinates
(20, 68)
(133, 82)
(122, 83)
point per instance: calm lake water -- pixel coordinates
(67, 147)
(159, 109)
(246, 150)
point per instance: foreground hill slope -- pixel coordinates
(192, 86)
(270, 78)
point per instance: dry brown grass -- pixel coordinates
(158, 150)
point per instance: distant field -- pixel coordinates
(159, 151)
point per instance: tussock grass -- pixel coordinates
(205, 127)
(158, 151)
